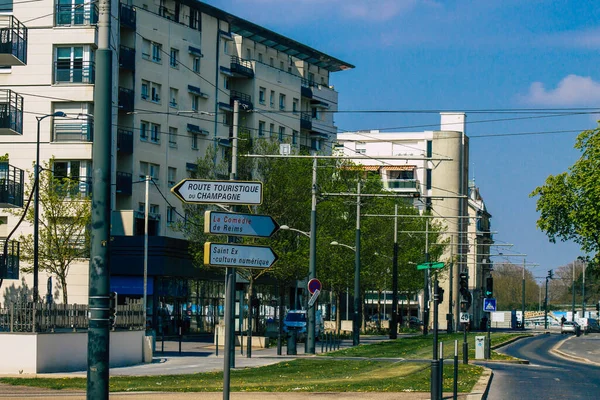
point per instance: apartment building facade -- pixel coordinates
(435, 175)
(178, 67)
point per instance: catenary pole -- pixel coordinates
(394, 321)
(356, 322)
(312, 267)
(99, 271)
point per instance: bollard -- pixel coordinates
(217, 342)
(291, 343)
(180, 337)
(162, 346)
(441, 369)
(455, 386)
(323, 343)
(339, 341)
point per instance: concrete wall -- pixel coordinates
(28, 353)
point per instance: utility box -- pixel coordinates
(480, 347)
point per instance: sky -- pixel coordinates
(517, 68)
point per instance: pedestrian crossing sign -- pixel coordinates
(489, 305)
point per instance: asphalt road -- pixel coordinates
(547, 376)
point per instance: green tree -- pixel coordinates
(568, 202)
(64, 219)
(508, 287)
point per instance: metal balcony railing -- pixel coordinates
(13, 41)
(11, 113)
(125, 141)
(401, 184)
(244, 99)
(11, 185)
(127, 16)
(9, 261)
(67, 71)
(124, 183)
(305, 121)
(241, 68)
(126, 99)
(127, 58)
(76, 14)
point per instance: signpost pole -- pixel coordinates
(394, 321)
(312, 267)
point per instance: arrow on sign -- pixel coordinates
(238, 255)
(223, 223)
(199, 191)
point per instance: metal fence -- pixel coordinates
(41, 317)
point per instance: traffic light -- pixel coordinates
(463, 284)
(598, 307)
(440, 295)
(489, 287)
(112, 308)
(551, 274)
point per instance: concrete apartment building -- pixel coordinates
(435, 174)
(178, 66)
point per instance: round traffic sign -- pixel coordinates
(314, 285)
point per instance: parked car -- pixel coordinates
(415, 323)
(569, 327)
(296, 320)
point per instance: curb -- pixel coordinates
(555, 350)
(482, 387)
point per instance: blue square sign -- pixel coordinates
(489, 305)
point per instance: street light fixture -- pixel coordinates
(287, 228)
(36, 204)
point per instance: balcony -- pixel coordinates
(409, 185)
(127, 16)
(124, 141)
(305, 121)
(124, 183)
(76, 71)
(73, 132)
(13, 41)
(306, 88)
(76, 14)
(127, 58)
(244, 99)
(11, 186)
(241, 68)
(10, 269)
(11, 113)
(72, 187)
(126, 99)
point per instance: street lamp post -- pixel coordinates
(36, 204)
(355, 318)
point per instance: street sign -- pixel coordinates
(314, 297)
(223, 223)
(489, 305)
(464, 318)
(238, 255)
(430, 265)
(314, 285)
(200, 191)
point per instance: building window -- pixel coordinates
(156, 52)
(149, 169)
(361, 147)
(174, 58)
(282, 101)
(271, 130)
(262, 94)
(311, 78)
(155, 91)
(281, 65)
(248, 54)
(295, 103)
(154, 209)
(428, 177)
(144, 128)
(78, 174)
(272, 99)
(294, 137)
(429, 148)
(155, 133)
(225, 46)
(172, 176)
(196, 64)
(171, 212)
(195, 19)
(195, 102)
(281, 133)
(315, 144)
(261, 128)
(145, 89)
(172, 136)
(146, 48)
(73, 64)
(72, 12)
(316, 113)
(260, 57)
(271, 62)
(226, 82)
(194, 141)
(173, 95)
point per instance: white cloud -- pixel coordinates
(571, 90)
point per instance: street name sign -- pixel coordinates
(200, 191)
(489, 305)
(238, 255)
(430, 265)
(223, 223)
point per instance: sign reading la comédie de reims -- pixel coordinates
(200, 191)
(223, 223)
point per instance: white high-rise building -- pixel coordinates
(177, 68)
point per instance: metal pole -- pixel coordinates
(357, 302)
(99, 271)
(455, 386)
(394, 321)
(426, 288)
(465, 345)
(450, 316)
(146, 211)
(435, 363)
(523, 299)
(546, 306)
(573, 290)
(583, 294)
(36, 216)
(312, 266)
(488, 348)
